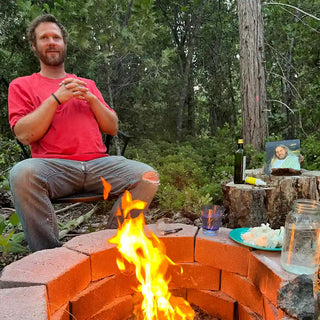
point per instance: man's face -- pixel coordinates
(281, 153)
(50, 47)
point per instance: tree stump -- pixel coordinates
(249, 206)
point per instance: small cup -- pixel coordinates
(211, 215)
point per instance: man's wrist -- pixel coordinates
(91, 98)
(55, 98)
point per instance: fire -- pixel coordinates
(145, 251)
(211, 212)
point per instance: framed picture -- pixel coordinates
(282, 154)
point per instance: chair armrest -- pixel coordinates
(121, 135)
(25, 150)
(125, 137)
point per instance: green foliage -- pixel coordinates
(310, 149)
(11, 235)
(254, 158)
(10, 154)
(191, 172)
(137, 56)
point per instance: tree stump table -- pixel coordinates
(250, 206)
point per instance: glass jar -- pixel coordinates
(301, 243)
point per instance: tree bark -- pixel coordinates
(289, 81)
(187, 70)
(252, 69)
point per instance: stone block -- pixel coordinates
(63, 271)
(241, 289)
(214, 303)
(222, 252)
(24, 303)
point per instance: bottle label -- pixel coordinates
(250, 180)
(244, 169)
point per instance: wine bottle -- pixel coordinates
(239, 163)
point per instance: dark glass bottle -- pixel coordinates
(239, 163)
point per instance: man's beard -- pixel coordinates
(48, 60)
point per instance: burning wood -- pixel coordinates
(145, 251)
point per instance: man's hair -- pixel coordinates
(283, 147)
(45, 18)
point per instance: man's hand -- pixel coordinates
(75, 88)
(72, 88)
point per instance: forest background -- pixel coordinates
(171, 70)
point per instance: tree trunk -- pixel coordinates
(289, 81)
(187, 70)
(250, 206)
(252, 64)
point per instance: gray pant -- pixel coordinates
(35, 181)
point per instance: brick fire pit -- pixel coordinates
(81, 279)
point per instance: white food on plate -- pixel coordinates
(264, 236)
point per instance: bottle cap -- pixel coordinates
(240, 140)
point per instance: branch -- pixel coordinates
(77, 222)
(293, 7)
(68, 207)
(290, 83)
(282, 104)
(128, 14)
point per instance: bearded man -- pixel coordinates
(61, 117)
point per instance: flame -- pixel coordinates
(146, 252)
(106, 188)
(211, 212)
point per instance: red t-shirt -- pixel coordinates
(74, 132)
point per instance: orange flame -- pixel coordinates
(146, 252)
(210, 214)
(106, 188)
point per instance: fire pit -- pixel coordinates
(223, 278)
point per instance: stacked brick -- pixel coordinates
(81, 280)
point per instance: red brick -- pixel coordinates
(103, 254)
(100, 293)
(266, 273)
(246, 313)
(179, 292)
(63, 271)
(222, 252)
(282, 314)
(271, 312)
(179, 246)
(214, 303)
(242, 290)
(119, 309)
(62, 314)
(24, 303)
(195, 276)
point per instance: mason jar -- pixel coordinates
(301, 243)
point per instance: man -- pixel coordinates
(60, 116)
(284, 159)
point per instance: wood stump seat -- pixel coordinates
(249, 206)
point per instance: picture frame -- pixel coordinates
(282, 154)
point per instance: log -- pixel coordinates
(250, 206)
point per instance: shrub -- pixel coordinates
(310, 149)
(10, 154)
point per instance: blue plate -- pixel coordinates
(235, 235)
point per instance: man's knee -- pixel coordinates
(151, 176)
(20, 173)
